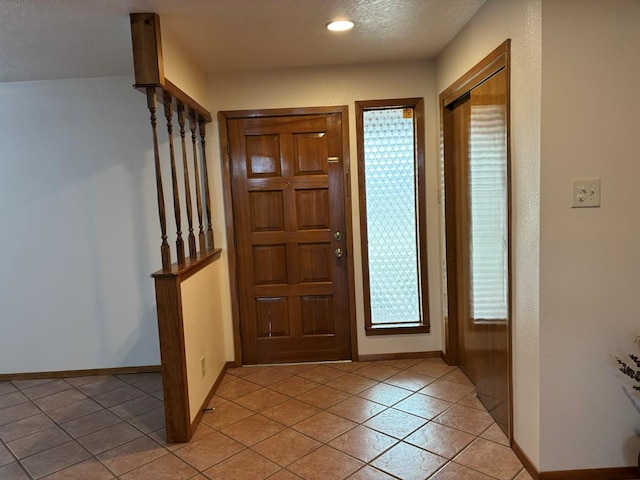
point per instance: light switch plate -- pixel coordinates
(585, 192)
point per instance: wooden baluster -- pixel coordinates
(187, 184)
(206, 184)
(168, 113)
(196, 169)
(164, 248)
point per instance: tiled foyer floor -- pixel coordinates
(399, 419)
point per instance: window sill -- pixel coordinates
(395, 329)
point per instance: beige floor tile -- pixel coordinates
(243, 371)
(378, 371)
(351, 383)
(5, 456)
(117, 396)
(267, 376)
(495, 434)
(395, 423)
(491, 459)
(369, 473)
(93, 422)
(237, 387)
(150, 421)
(167, 467)
(363, 443)
(408, 462)
(47, 388)
(449, 391)
(90, 469)
(457, 376)
(74, 410)
(402, 363)
(210, 450)
(322, 373)
(524, 475)
(24, 384)
(54, 459)
(59, 399)
(225, 414)
(17, 412)
(110, 437)
(284, 475)
(26, 426)
(410, 380)
(137, 406)
(323, 396)
(150, 384)
(290, 412)
(125, 458)
(385, 394)
(423, 406)
(261, 399)
(296, 369)
(357, 409)
(86, 379)
(439, 439)
(13, 471)
(324, 426)
(453, 471)
(7, 387)
(38, 442)
(326, 463)
(432, 368)
(11, 399)
(349, 366)
(160, 436)
(293, 386)
(138, 378)
(472, 400)
(467, 419)
(286, 447)
(253, 429)
(101, 385)
(243, 466)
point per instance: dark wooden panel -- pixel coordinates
(312, 209)
(314, 262)
(263, 156)
(267, 211)
(272, 315)
(270, 264)
(317, 315)
(310, 153)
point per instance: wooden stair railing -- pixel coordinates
(179, 108)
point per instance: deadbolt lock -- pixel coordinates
(338, 253)
(337, 236)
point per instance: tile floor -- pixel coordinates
(399, 419)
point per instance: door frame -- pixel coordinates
(225, 156)
(497, 60)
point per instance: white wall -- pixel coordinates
(590, 258)
(79, 233)
(519, 20)
(344, 85)
(203, 332)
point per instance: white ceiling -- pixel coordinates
(46, 39)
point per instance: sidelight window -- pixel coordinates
(392, 221)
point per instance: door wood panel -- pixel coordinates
(288, 201)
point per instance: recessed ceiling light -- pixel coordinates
(340, 25)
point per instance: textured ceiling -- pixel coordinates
(45, 39)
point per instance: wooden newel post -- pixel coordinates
(202, 126)
(168, 113)
(196, 168)
(164, 247)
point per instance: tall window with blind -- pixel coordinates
(392, 221)
(488, 198)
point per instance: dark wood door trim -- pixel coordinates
(223, 117)
(459, 91)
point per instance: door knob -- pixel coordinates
(338, 252)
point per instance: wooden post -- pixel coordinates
(196, 168)
(168, 113)
(187, 183)
(164, 248)
(210, 243)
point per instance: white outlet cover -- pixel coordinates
(585, 192)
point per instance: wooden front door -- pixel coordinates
(287, 183)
